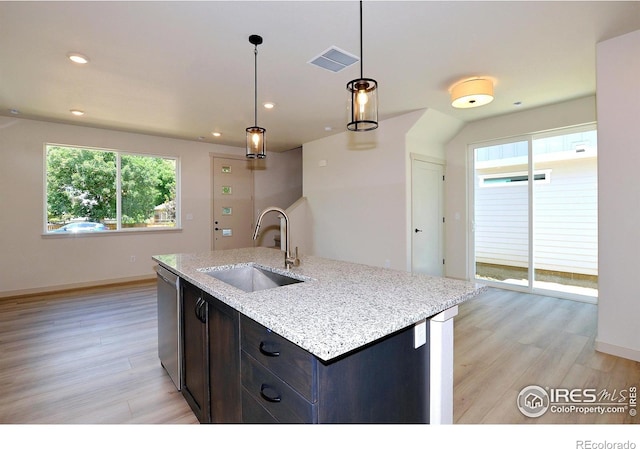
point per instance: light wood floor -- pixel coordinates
(91, 357)
(85, 357)
(505, 341)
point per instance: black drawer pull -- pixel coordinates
(199, 308)
(268, 353)
(266, 397)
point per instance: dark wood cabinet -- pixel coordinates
(211, 362)
(224, 362)
(195, 360)
(385, 382)
(236, 370)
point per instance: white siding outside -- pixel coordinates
(565, 215)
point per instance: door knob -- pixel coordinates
(418, 230)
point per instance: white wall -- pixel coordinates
(278, 184)
(618, 73)
(357, 198)
(33, 263)
(357, 187)
(457, 222)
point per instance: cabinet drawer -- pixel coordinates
(276, 397)
(253, 412)
(289, 362)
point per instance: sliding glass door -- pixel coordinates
(535, 213)
(565, 238)
(501, 221)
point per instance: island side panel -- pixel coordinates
(441, 370)
(384, 382)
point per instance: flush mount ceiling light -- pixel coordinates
(363, 98)
(472, 93)
(256, 145)
(78, 58)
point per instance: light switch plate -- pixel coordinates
(419, 334)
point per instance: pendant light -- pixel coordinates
(256, 144)
(363, 98)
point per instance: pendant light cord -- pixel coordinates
(255, 86)
(361, 54)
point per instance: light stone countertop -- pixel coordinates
(340, 307)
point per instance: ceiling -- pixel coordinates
(185, 69)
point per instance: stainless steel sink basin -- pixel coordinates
(251, 278)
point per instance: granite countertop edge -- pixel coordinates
(340, 307)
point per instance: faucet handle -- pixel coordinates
(290, 261)
(296, 261)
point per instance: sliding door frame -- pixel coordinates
(471, 194)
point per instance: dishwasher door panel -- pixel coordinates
(169, 322)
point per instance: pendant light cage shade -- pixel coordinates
(472, 93)
(363, 104)
(256, 143)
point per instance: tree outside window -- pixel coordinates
(85, 185)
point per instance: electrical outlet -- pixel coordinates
(420, 334)
(132, 259)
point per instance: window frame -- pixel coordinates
(119, 229)
(490, 180)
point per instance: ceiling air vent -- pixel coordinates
(334, 59)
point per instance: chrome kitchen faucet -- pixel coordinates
(288, 259)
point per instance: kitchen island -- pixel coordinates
(340, 312)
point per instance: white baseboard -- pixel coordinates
(618, 351)
(76, 286)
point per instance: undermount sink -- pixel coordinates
(251, 278)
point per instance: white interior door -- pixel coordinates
(427, 179)
(232, 203)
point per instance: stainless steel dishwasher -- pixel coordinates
(169, 323)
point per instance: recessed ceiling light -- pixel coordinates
(269, 105)
(216, 134)
(14, 112)
(517, 103)
(77, 112)
(78, 58)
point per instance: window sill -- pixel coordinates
(63, 235)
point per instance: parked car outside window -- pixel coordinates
(86, 226)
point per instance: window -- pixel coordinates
(95, 190)
(510, 179)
